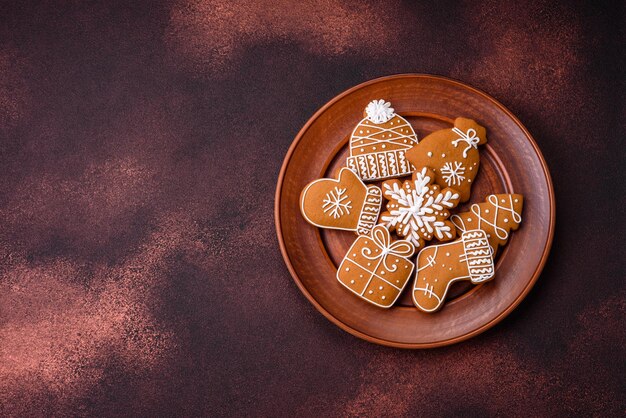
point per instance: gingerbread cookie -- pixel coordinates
(438, 266)
(497, 216)
(345, 203)
(418, 210)
(452, 154)
(379, 142)
(377, 269)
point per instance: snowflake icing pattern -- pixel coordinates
(418, 210)
(334, 203)
(453, 174)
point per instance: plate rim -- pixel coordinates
(396, 344)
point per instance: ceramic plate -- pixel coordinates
(510, 162)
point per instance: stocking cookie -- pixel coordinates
(345, 203)
(418, 210)
(438, 266)
(452, 154)
(379, 142)
(497, 216)
(376, 269)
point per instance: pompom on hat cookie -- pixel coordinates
(379, 142)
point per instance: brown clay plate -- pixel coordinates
(510, 162)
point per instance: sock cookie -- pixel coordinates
(452, 154)
(418, 210)
(377, 269)
(497, 216)
(438, 266)
(379, 142)
(345, 203)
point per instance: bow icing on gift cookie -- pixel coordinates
(418, 210)
(452, 154)
(497, 216)
(377, 269)
(345, 203)
(379, 142)
(438, 266)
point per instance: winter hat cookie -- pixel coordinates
(379, 142)
(345, 203)
(497, 216)
(438, 266)
(452, 154)
(418, 210)
(377, 269)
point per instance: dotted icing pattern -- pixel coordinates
(376, 269)
(378, 144)
(497, 216)
(418, 210)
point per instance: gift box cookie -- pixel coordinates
(379, 143)
(377, 269)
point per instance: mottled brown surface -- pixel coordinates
(140, 145)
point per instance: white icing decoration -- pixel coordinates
(335, 203)
(415, 209)
(475, 263)
(452, 173)
(369, 208)
(368, 152)
(383, 252)
(500, 232)
(468, 137)
(379, 111)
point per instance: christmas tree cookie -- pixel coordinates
(418, 210)
(452, 154)
(345, 203)
(497, 216)
(379, 142)
(438, 266)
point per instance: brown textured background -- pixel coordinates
(140, 146)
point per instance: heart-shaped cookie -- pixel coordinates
(346, 203)
(452, 154)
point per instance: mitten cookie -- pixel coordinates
(377, 269)
(418, 210)
(452, 154)
(499, 214)
(438, 266)
(379, 142)
(345, 203)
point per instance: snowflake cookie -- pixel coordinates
(345, 203)
(452, 154)
(418, 210)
